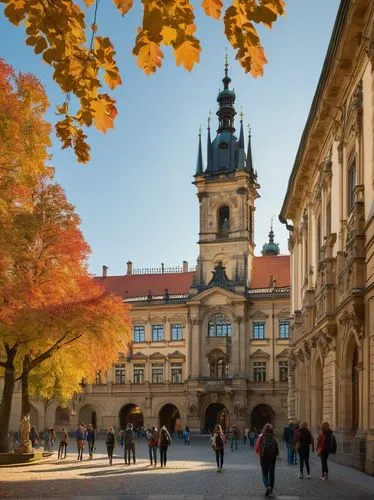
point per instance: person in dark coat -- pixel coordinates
(34, 437)
(303, 441)
(267, 449)
(110, 443)
(91, 437)
(164, 442)
(129, 440)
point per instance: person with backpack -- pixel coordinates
(218, 444)
(267, 449)
(110, 443)
(326, 444)
(163, 443)
(91, 437)
(152, 439)
(303, 440)
(63, 444)
(129, 444)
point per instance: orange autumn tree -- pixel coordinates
(48, 301)
(81, 65)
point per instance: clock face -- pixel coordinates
(223, 145)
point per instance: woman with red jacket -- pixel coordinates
(267, 449)
(326, 444)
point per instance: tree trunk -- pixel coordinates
(6, 400)
(26, 407)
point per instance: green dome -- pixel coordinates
(270, 249)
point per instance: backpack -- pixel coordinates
(219, 442)
(331, 445)
(269, 448)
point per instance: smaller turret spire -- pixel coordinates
(199, 164)
(226, 80)
(241, 158)
(209, 144)
(249, 165)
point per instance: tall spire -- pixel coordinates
(226, 100)
(241, 157)
(249, 165)
(209, 145)
(199, 163)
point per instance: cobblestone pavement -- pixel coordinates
(190, 475)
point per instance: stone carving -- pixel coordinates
(24, 436)
(193, 411)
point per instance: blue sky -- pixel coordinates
(135, 198)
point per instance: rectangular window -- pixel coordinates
(328, 218)
(139, 333)
(157, 373)
(157, 333)
(351, 185)
(259, 330)
(138, 374)
(284, 329)
(283, 371)
(259, 371)
(176, 332)
(176, 373)
(319, 236)
(119, 374)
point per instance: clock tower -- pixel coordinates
(227, 190)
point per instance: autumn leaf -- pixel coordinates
(169, 35)
(123, 5)
(149, 54)
(212, 8)
(188, 53)
(104, 112)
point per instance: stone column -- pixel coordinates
(291, 391)
(196, 348)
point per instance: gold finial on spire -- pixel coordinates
(249, 129)
(241, 113)
(271, 223)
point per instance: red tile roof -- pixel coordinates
(277, 266)
(139, 285)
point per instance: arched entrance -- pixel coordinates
(131, 414)
(351, 387)
(87, 415)
(261, 415)
(318, 397)
(34, 417)
(62, 416)
(216, 413)
(355, 400)
(169, 416)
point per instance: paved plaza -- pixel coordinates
(190, 474)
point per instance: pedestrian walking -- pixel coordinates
(53, 436)
(152, 439)
(34, 437)
(252, 437)
(186, 435)
(245, 435)
(267, 449)
(326, 444)
(235, 436)
(295, 428)
(304, 440)
(91, 438)
(129, 439)
(288, 439)
(218, 441)
(163, 443)
(80, 436)
(110, 443)
(47, 440)
(63, 444)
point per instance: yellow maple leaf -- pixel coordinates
(187, 53)
(212, 8)
(112, 78)
(88, 3)
(149, 56)
(123, 5)
(104, 112)
(169, 35)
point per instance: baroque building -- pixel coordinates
(329, 210)
(210, 344)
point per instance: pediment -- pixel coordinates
(258, 314)
(259, 353)
(283, 314)
(177, 318)
(217, 296)
(139, 321)
(176, 355)
(283, 354)
(157, 355)
(157, 320)
(139, 355)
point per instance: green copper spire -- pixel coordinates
(270, 248)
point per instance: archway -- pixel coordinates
(87, 415)
(62, 416)
(169, 416)
(351, 389)
(34, 416)
(131, 414)
(216, 413)
(261, 415)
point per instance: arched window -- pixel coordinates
(224, 221)
(219, 326)
(218, 368)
